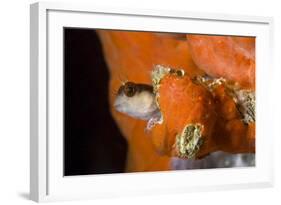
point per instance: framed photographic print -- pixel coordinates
(129, 101)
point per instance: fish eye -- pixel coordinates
(129, 89)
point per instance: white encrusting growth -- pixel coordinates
(217, 159)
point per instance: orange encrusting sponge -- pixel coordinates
(198, 120)
(184, 103)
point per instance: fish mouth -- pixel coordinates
(118, 106)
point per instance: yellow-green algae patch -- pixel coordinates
(158, 73)
(246, 101)
(189, 141)
(209, 83)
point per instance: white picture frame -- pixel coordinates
(47, 182)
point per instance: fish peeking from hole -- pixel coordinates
(138, 101)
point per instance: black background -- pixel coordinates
(92, 142)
